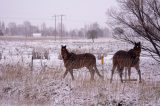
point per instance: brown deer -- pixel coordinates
(127, 59)
(76, 61)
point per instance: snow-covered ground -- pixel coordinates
(43, 84)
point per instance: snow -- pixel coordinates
(44, 85)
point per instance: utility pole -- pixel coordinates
(61, 24)
(61, 16)
(55, 27)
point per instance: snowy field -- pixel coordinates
(42, 84)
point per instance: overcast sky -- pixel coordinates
(77, 12)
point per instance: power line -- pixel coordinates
(56, 16)
(45, 19)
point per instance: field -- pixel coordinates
(40, 82)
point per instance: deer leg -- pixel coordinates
(121, 73)
(65, 73)
(139, 72)
(92, 71)
(129, 73)
(126, 69)
(98, 72)
(71, 72)
(112, 72)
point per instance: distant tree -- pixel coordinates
(25, 29)
(139, 19)
(50, 31)
(12, 28)
(83, 32)
(35, 29)
(73, 33)
(80, 34)
(21, 30)
(2, 27)
(44, 29)
(1, 33)
(99, 31)
(92, 34)
(94, 26)
(28, 28)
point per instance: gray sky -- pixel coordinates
(78, 12)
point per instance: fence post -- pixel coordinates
(32, 64)
(102, 62)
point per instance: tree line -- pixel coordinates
(91, 31)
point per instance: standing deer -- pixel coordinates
(76, 61)
(127, 59)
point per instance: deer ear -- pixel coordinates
(63, 46)
(139, 43)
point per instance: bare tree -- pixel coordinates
(139, 19)
(92, 34)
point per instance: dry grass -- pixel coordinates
(21, 85)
